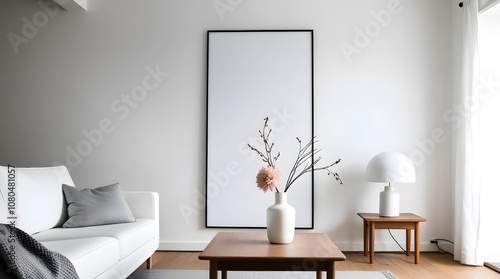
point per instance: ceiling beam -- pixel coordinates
(72, 5)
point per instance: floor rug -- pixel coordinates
(203, 274)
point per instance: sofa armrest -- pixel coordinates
(144, 205)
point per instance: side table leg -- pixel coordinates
(319, 274)
(417, 242)
(372, 241)
(365, 238)
(408, 242)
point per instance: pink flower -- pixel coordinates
(268, 179)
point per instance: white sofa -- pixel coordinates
(104, 251)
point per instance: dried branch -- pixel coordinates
(264, 135)
(305, 156)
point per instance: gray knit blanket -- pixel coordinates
(25, 257)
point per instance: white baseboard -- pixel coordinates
(346, 247)
(182, 246)
(386, 247)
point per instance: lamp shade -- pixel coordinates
(390, 167)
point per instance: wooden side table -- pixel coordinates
(405, 221)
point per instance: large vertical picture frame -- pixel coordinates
(251, 75)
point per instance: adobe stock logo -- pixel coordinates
(223, 6)
(31, 27)
(121, 107)
(456, 115)
(220, 179)
(373, 28)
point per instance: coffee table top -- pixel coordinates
(255, 245)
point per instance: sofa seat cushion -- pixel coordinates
(90, 256)
(130, 236)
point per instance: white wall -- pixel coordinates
(391, 93)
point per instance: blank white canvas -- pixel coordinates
(253, 75)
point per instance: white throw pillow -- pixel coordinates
(39, 201)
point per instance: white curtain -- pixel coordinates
(489, 136)
(467, 169)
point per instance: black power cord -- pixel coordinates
(441, 250)
(434, 241)
(396, 241)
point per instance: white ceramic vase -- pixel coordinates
(280, 220)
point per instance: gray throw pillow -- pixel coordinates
(100, 206)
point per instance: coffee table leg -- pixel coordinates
(319, 274)
(213, 269)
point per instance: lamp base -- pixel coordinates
(389, 202)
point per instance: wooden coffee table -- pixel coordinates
(252, 251)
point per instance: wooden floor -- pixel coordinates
(432, 265)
